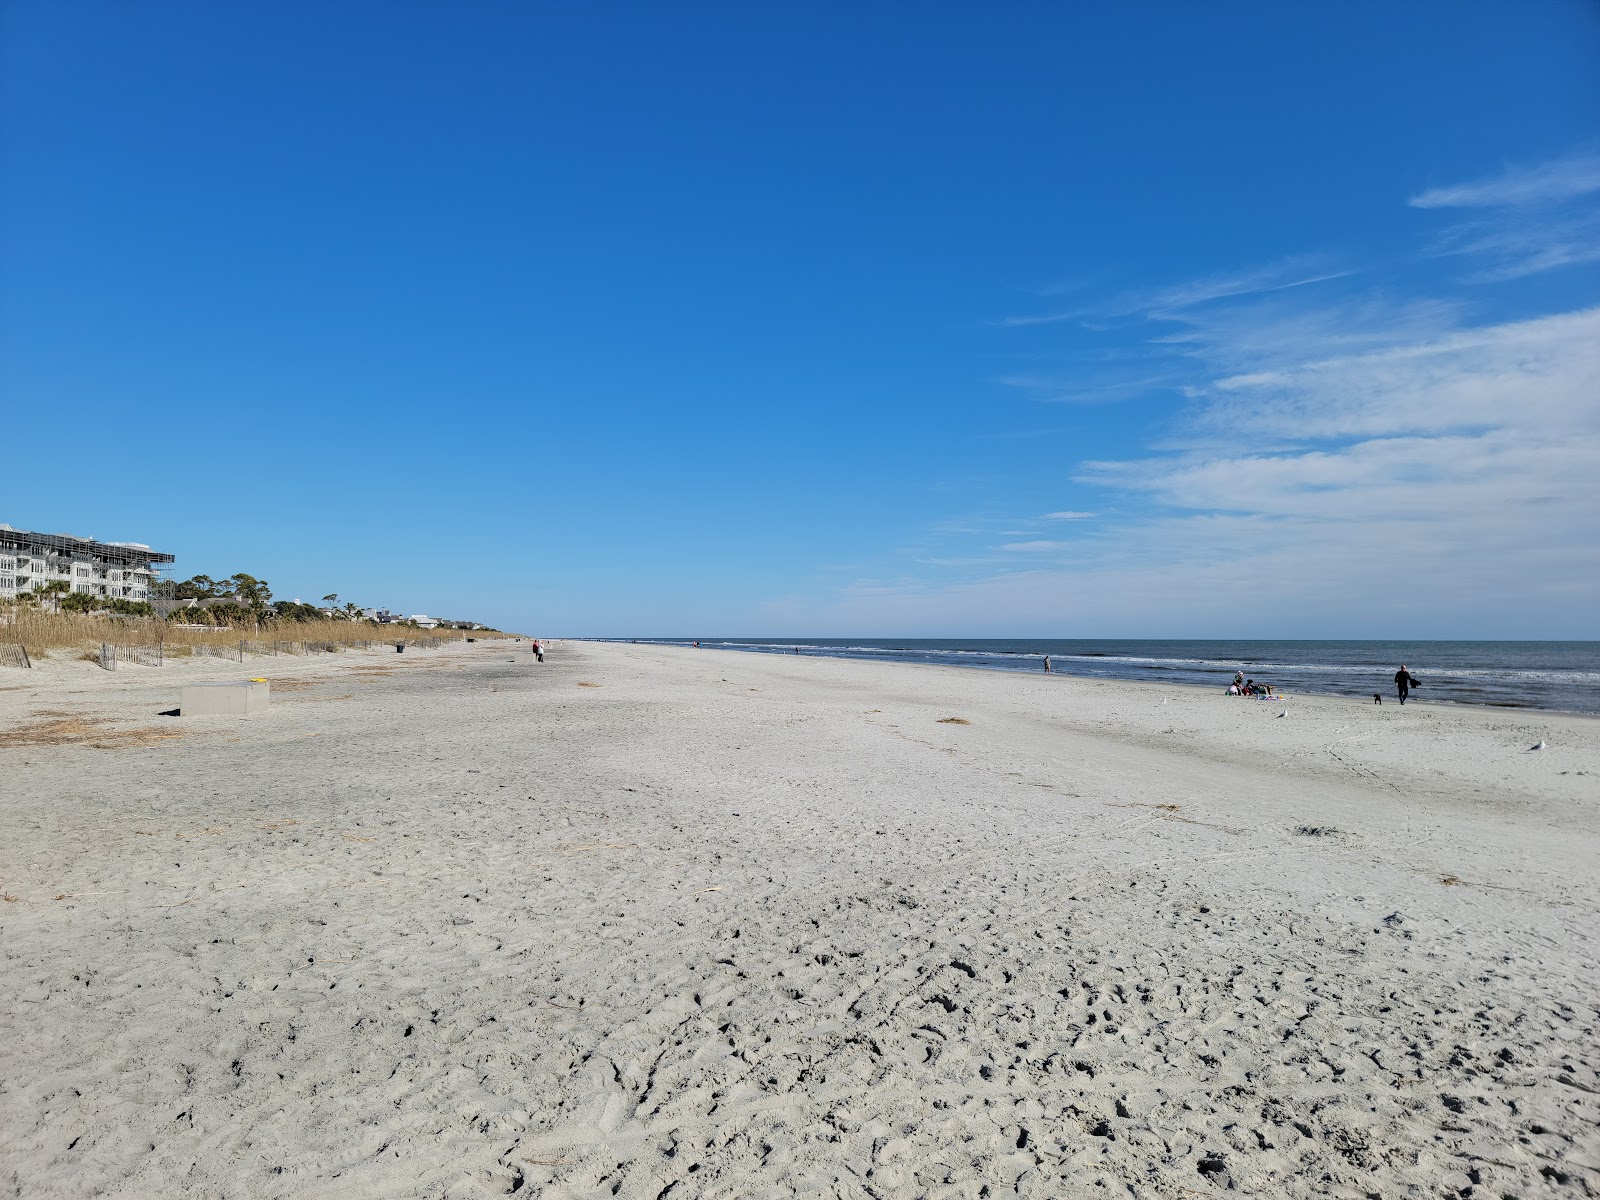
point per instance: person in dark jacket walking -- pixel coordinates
(1404, 681)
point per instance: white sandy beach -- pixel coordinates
(444, 924)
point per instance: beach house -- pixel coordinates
(124, 570)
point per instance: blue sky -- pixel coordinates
(821, 319)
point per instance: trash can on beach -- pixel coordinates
(399, 647)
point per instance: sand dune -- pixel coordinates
(725, 925)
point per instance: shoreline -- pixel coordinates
(636, 920)
(1195, 688)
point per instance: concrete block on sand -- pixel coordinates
(227, 698)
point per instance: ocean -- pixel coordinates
(1554, 676)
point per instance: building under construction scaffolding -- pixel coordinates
(123, 570)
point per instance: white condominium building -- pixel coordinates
(123, 570)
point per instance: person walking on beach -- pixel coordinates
(538, 650)
(1404, 681)
(1047, 664)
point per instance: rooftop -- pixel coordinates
(122, 552)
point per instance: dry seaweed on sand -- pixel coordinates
(81, 731)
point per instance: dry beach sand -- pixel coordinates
(650, 922)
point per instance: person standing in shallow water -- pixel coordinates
(1047, 664)
(1404, 681)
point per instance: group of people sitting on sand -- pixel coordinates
(1248, 687)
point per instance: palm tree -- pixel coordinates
(52, 592)
(331, 599)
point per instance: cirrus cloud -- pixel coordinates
(1550, 182)
(1372, 459)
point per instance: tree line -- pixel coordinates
(242, 597)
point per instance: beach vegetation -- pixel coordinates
(118, 622)
(289, 610)
(50, 595)
(83, 602)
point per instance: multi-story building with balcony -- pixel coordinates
(123, 570)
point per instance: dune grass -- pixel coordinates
(45, 632)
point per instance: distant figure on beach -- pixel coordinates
(1238, 680)
(1404, 681)
(697, 645)
(538, 650)
(1047, 664)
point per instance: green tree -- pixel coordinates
(231, 612)
(250, 592)
(331, 599)
(50, 594)
(200, 587)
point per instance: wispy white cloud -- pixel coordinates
(1514, 373)
(1372, 461)
(1515, 247)
(1479, 418)
(1542, 183)
(1279, 277)
(1038, 319)
(1258, 336)
(1529, 219)
(1444, 485)
(1185, 310)
(1284, 275)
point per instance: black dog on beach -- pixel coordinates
(1377, 697)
